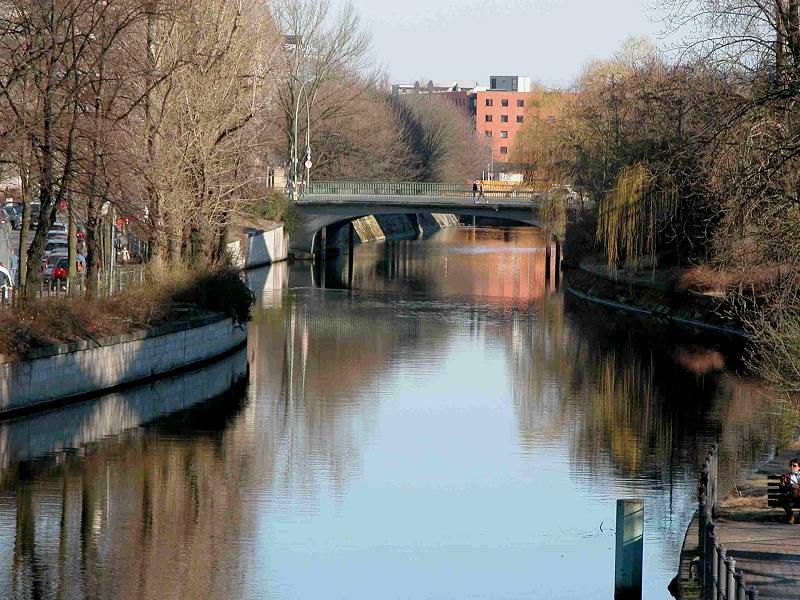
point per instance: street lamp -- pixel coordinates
(302, 92)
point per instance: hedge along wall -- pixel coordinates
(60, 372)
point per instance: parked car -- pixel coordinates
(58, 227)
(56, 236)
(36, 211)
(52, 245)
(49, 262)
(14, 215)
(60, 270)
(6, 284)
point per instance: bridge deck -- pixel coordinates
(424, 202)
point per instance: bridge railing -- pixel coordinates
(359, 188)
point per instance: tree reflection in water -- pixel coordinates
(189, 506)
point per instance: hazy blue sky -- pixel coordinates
(470, 39)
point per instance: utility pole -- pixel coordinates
(302, 92)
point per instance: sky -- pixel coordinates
(548, 40)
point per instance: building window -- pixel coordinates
(503, 149)
(488, 118)
(504, 118)
(494, 84)
(520, 119)
(503, 134)
(514, 84)
(489, 102)
(504, 102)
(520, 103)
(488, 133)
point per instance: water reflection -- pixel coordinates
(94, 503)
(439, 422)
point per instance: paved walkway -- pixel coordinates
(765, 547)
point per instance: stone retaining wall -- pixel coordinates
(69, 370)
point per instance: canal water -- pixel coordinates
(432, 419)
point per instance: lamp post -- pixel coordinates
(301, 93)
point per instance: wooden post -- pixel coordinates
(558, 261)
(629, 553)
(323, 243)
(547, 259)
(350, 244)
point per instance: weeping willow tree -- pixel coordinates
(633, 213)
(553, 211)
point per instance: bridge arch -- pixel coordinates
(317, 216)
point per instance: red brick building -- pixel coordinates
(501, 115)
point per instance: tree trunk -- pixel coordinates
(158, 246)
(92, 246)
(72, 250)
(25, 228)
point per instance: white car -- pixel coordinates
(6, 285)
(54, 245)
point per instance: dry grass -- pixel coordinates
(707, 279)
(168, 297)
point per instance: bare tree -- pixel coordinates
(444, 143)
(48, 60)
(320, 48)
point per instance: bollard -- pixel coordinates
(710, 558)
(730, 586)
(629, 551)
(741, 589)
(722, 576)
(713, 565)
(701, 530)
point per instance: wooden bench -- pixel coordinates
(774, 495)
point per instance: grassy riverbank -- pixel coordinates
(682, 295)
(162, 298)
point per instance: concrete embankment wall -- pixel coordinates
(53, 431)
(57, 373)
(374, 228)
(259, 247)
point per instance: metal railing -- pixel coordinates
(720, 579)
(123, 278)
(400, 188)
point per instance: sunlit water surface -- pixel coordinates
(434, 420)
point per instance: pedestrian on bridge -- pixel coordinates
(475, 191)
(480, 192)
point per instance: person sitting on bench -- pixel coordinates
(790, 489)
